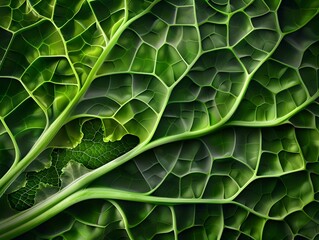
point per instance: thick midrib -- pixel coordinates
(113, 194)
(48, 135)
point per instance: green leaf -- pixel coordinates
(159, 119)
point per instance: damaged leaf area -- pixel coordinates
(159, 119)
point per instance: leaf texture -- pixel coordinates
(164, 119)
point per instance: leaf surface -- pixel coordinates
(162, 119)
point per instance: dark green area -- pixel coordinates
(92, 152)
